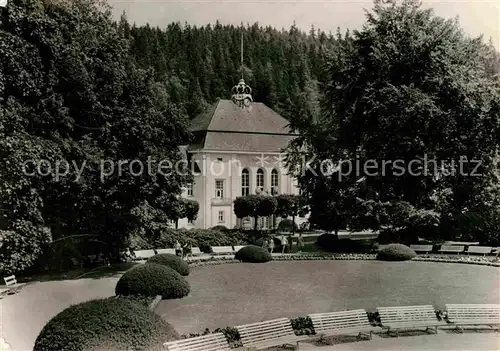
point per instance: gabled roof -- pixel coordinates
(224, 115)
(225, 126)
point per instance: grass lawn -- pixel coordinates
(232, 294)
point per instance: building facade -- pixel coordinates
(236, 151)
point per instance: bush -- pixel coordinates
(111, 324)
(172, 261)
(220, 228)
(253, 254)
(286, 225)
(21, 246)
(330, 243)
(396, 252)
(152, 279)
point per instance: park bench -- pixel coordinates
(12, 285)
(220, 250)
(421, 248)
(408, 317)
(344, 322)
(166, 251)
(238, 248)
(485, 250)
(144, 254)
(451, 249)
(270, 333)
(210, 342)
(195, 251)
(462, 315)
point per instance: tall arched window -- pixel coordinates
(274, 182)
(260, 180)
(245, 182)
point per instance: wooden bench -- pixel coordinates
(484, 250)
(12, 284)
(421, 248)
(166, 251)
(344, 322)
(451, 249)
(144, 254)
(210, 342)
(408, 317)
(220, 250)
(238, 248)
(195, 251)
(270, 333)
(462, 315)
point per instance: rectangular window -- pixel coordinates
(190, 189)
(221, 216)
(219, 189)
(260, 180)
(245, 184)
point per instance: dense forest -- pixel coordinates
(284, 68)
(200, 64)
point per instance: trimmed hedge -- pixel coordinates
(330, 243)
(152, 279)
(286, 225)
(253, 254)
(106, 324)
(172, 261)
(196, 237)
(396, 252)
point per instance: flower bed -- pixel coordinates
(479, 260)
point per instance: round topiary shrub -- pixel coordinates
(286, 225)
(106, 324)
(172, 261)
(396, 252)
(152, 279)
(253, 254)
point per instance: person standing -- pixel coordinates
(178, 248)
(265, 244)
(284, 242)
(300, 243)
(271, 245)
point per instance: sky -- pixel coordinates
(476, 17)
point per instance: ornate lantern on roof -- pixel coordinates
(242, 95)
(241, 92)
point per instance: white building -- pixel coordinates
(236, 151)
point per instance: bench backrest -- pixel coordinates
(165, 251)
(340, 320)
(144, 253)
(222, 249)
(473, 312)
(210, 342)
(10, 280)
(238, 248)
(452, 248)
(195, 251)
(389, 315)
(262, 331)
(480, 249)
(421, 248)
